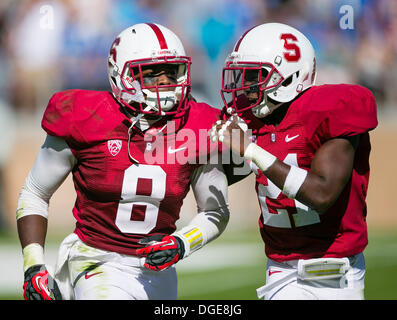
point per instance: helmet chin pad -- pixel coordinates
(162, 100)
(266, 107)
(152, 99)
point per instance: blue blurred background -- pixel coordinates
(39, 56)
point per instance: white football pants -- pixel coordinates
(283, 283)
(87, 273)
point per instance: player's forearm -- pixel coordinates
(311, 189)
(203, 228)
(209, 185)
(32, 213)
(32, 229)
(315, 191)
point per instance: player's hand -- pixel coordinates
(39, 285)
(161, 251)
(234, 133)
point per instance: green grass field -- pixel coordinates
(241, 269)
(240, 283)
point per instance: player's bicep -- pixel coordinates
(53, 163)
(334, 160)
(331, 169)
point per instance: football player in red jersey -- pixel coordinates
(309, 148)
(128, 199)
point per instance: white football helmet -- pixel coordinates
(272, 60)
(146, 46)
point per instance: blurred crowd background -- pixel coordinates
(48, 46)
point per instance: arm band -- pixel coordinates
(33, 254)
(295, 178)
(259, 156)
(192, 237)
(32, 200)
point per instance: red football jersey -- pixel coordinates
(289, 228)
(119, 201)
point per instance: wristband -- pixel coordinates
(33, 254)
(295, 178)
(259, 156)
(192, 237)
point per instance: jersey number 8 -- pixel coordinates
(130, 198)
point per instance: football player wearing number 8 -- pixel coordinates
(309, 148)
(126, 207)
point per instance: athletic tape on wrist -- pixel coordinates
(295, 178)
(33, 254)
(259, 156)
(192, 238)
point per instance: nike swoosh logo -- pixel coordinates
(288, 139)
(165, 243)
(170, 150)
(40, 283)
(86, 271)
(169, 242)
(87, 276)
(272, 272)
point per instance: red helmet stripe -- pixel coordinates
(159, 35)
(241, 38)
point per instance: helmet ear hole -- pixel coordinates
(288, 81)
(114, 80)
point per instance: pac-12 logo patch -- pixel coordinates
(114, 147)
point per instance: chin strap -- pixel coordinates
(133, 123)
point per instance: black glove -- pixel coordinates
(39, 285)
(161, 251)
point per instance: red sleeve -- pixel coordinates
(339, 110)
(58, 116)
(81, 117)
(354, 114)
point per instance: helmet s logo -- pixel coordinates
(113, 52)
(293, 53)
